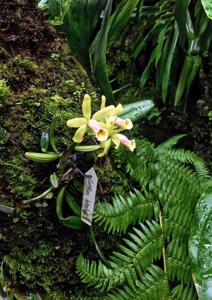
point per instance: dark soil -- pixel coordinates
(37, 252)
(32, 36)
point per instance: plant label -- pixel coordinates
(89, 196)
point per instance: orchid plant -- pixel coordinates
(105, 126)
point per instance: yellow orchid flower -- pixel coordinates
(122, 139)
(117, 139)
(105, 145)
(81, 123)
(123, 123)
(105, 125)
(99, 130)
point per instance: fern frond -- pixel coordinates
(182, 292)
(178, 263)
(171, 142)
(97, 275)
(138, 252)
(177, 222)
(171, 183)
(124, 211)
(146, 239)
(186, 156)
(175, 180)
(138, 163)
(179, 269)
(151, 285)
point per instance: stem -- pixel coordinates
(101, 255)
(51, 137)
(38, 197)
(164, 251)
(4, 163)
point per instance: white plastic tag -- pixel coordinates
(89, 196)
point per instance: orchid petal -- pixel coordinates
(86, 107)
(103, 102)
(77, 122)
(130, 144)
(116, 141)
(94, 125)
(120, 122)
(104, 113)
(119, 108)
(128, 124)
(79, 134)
(102, 135)
(106, 146)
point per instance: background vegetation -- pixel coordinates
(152, 218)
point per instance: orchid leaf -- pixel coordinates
(168, 64)
(98, 54)
(200, 246)
(181, 11)
(120, 18)
(137, 110)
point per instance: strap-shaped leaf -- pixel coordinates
(98, 54)
(120, 18)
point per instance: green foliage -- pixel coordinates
(152, 262)
(98, 53)
(181, 292)
(152, 285)
(88, 35)
(200, 245)
(4, 90)
(128, 263)
(178, 32)
(28, 273)
(123, 211)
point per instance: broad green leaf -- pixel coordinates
(98, 54)
(207, 4)
(137, 110)
(200, 246)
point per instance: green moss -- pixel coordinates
(4, 91)
(112, 179)
(35, 268)
(24, 62)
